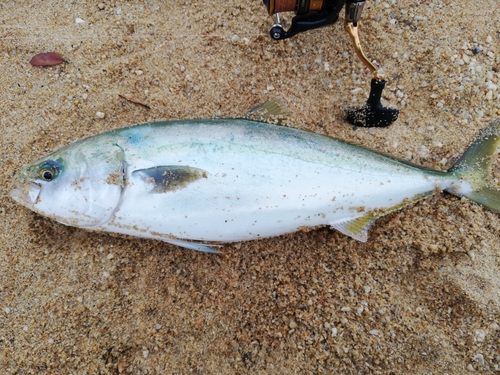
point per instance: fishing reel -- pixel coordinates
(313, 14)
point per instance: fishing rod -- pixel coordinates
(312, 14)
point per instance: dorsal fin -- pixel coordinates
(274, 110)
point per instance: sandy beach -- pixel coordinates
(422, 296)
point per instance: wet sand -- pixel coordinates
(422, 296)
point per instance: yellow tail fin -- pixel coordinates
(474, 167)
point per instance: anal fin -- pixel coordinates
(358, 227)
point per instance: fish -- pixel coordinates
(198, 183)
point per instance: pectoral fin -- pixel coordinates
(169, 178)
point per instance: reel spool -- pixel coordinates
(310, 14)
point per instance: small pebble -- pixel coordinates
(491, 86)
(334, 332)
(479, 335)
(293, 324)
(479, 358)
(476, 50)
(100, 6)
(121, 366)
(100, 115)
(79, 21)
(374, 332)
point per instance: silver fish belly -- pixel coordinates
(228, 180)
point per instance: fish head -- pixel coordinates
(79, 185)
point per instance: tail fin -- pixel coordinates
(474, 167)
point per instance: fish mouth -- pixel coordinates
(26, 194)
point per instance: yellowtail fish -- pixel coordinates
(227, 180)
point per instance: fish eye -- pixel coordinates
(49, 170)
(47, 175)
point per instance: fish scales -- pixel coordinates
(230, 180)
(259, 182)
